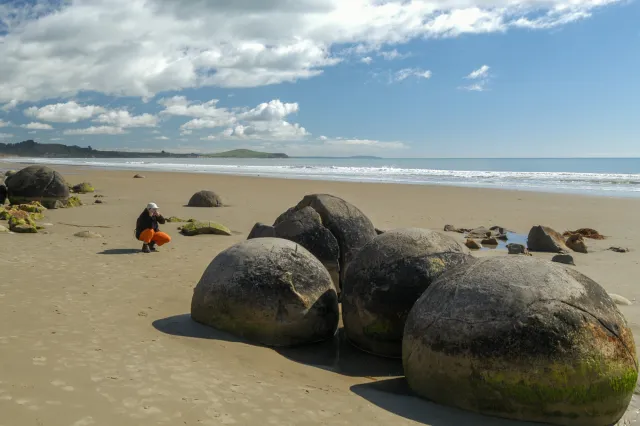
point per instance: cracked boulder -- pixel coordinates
(386, 278)
(269, 291)
(38, 183)
(521, 338)
(351, 228)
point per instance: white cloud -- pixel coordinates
(405, 73)
(5, 123)
(143, 47)
(5, 135)
(69, 112)
(96, 130)
(368, 143)
(37, 126)
(270, 111)
(122, 118)
(393, 54)
(366, 60)
(480, 79)
(162, 138)
(482, 72)
(9, 105)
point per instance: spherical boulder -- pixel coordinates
(386, 278)
(270, 291)
(205, 199)
(521, 338)
(38, 183)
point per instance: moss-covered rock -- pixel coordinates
(73, 201)
(175, 219)
(521, 338)
(4, 214)
(83, 188)
(21, 222)
(37, 183)
(32, 207)
(199, 228)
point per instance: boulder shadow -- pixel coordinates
(340, 356)
(184, 326)
(395, 396)
(336, 354)
(120, 251)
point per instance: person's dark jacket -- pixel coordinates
(146, 221)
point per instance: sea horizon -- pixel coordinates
(613, 177)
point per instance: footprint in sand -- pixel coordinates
(39, 360)
(62, 385)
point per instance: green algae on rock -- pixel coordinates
(200, 228)
(73, 201)
(270, 291)
(83, 188)
(521, 338)
(22, 223)
(176, 219)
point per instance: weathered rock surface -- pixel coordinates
(491, 241)
(576, 243)
(514, 248)
(544, 239)
(521, 338)
(21, 222)
(567, 259)
(472, 244)
(261, 230)
(37, 183)
(205, 199)
(270, 291)
(348, 225)
(385, 279)
(202, 228)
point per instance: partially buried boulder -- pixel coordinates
(351, 228)
(38, 183)
(83, 188)
(270, 291)
(385, 279)
(544, 239)
(205, 199)
(521, 338)
(576, 243)
(305, 227)
(261, 230)
(201, 228)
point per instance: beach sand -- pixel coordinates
(93, 332)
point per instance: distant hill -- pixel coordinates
(31, 148)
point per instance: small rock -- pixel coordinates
(472, 244)
(619, 300)
(576, 243)
(619, 249)
(451, 228)
(87, 234)
(480, 233)
(98, 196)
(544, 239)
(138, 177)
(492, 241)
(379, 231)
(99, 202)
(567, 259)
(83, 188)
(516, 248)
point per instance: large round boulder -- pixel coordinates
(38, 183)
(3, 193)
(205, 199)
(351, 228)
(270, 291)
(386, 278)
(521, 338)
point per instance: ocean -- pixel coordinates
(618, 177)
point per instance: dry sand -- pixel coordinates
(93, 332)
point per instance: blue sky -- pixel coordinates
(556, 79)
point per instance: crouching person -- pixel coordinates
(147, 229)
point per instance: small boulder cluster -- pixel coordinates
(509, 336)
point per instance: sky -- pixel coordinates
(392, 78)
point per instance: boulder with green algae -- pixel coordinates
(521, 338)
(83, 188)
(178, 219)
(385, 279)
(37, 183)
(269, 291)
(4, 214)
(73, 201)
(200, 228)
(22, 223)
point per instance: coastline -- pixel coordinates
(104, 337)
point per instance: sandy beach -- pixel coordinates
(94, 332)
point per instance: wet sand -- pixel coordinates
(93, 332)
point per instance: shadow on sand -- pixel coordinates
(394, 395)
(120, 251)
(336, 354)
